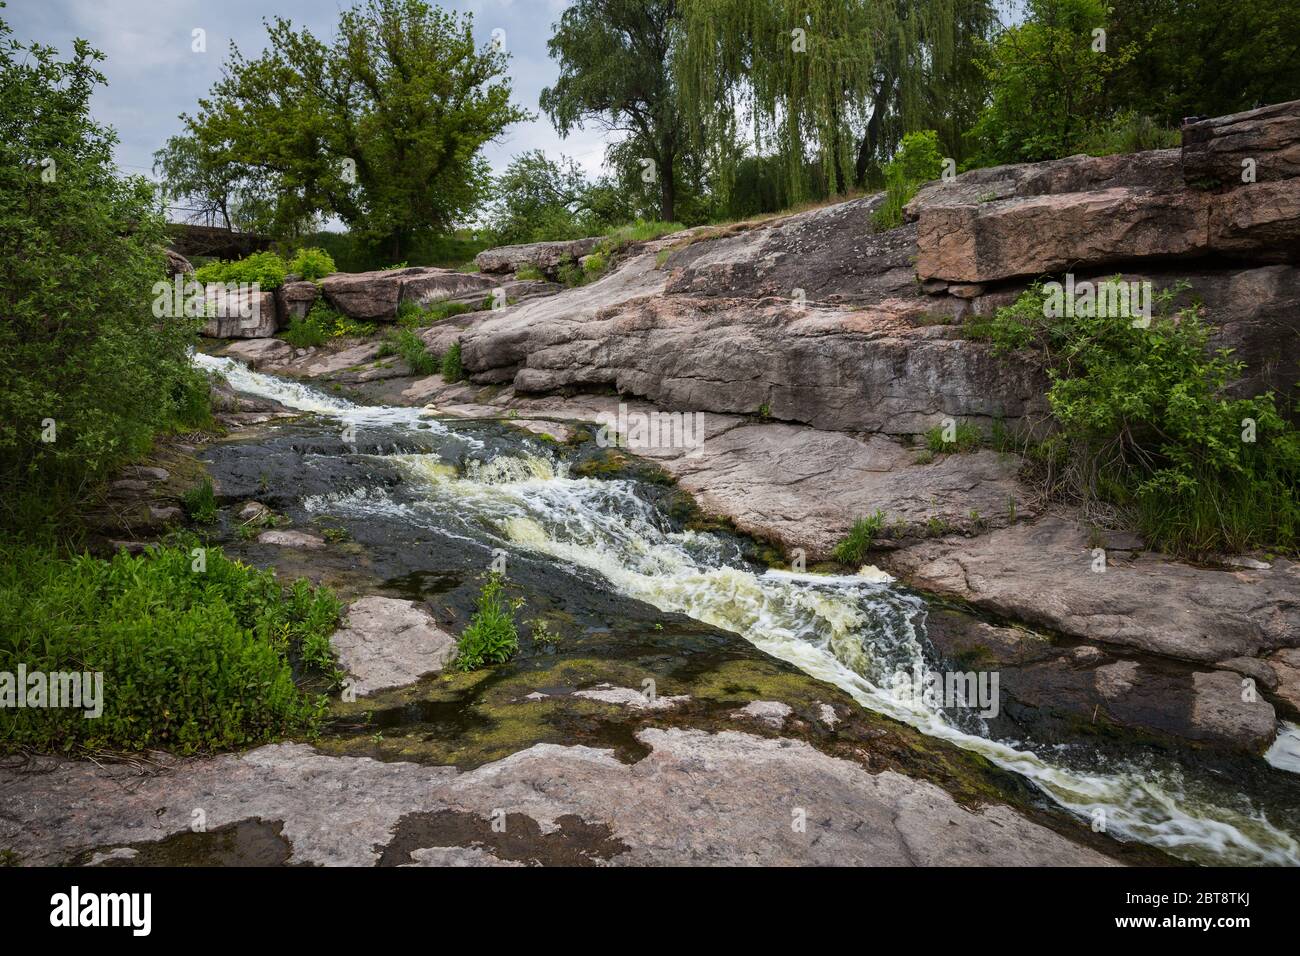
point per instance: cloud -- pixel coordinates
(154, 75)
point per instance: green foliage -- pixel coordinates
(537, 199)
(201, 503)
(491, 637)
(305, 332)
(192, 660)
(412, 315)
(918, 161)
(594, 265)
(965, 437)
(381, 125)
(853, 548)
(312, 263)
(1147, 425)
(615, 69)
(265, 268)
(452, 370)
(1129, 133)
(529, 272)
(412, 350)
(1049, 83)
(87, 374)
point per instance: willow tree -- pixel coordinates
(835, 80)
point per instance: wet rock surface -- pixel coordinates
(560, 805)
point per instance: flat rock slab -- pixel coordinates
(696, 799)
(804, 487)
(1041, 574)
(385, 642)
(291, 539)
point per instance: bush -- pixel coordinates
(412, 315)
(312, 263)
(452, 370)
(918, 161)
(1129, 133)
(87, 374)
(265, 268)
(191, 660)
(305, 332)
(491, 637)
(1149, 431)
(201, 503)
(413, 351)
(855, 545)
(594, 265)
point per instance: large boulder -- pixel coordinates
(176, 264)
(295, 299)
(546, 257)
(239, 313)
(1216, 151)
(374, 296)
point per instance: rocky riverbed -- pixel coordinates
(706, 641)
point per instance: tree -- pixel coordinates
(87, 376)
(537, 199)
(839, 80)
(382, 127)
(616, 69)
(1205, 57)
(1049, 77)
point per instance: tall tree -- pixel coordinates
(838, 80)
(382, 127)
(616, 70)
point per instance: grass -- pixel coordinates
(957, 437)
(530, 272)
(491, 637)
(411, 315)
(200, 503)
(853, 548)
(195, 649)
(412, 350)
(452, 370)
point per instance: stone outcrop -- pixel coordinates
(546, 257)
(295, 299)
(239, 313)
(696, 799)
(1217, 150)
(176, 264)
(1042, 574)
(374, 296)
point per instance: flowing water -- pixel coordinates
(855, 632)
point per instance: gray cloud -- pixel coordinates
(154, 76)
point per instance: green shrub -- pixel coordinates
(1147, 427)
(192, 660)
(87, 375)
(594, 265)
(965, 437)
(405, 343)
(918, 161)
(265, 268)
(491, 637)
(312, 263)
(529, 272)
(452, 370)
(1129, 133)
(201, 503)
(853, 548)
(305, 332)
(413, 315)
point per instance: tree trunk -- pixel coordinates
(871, 139)
(667, 189)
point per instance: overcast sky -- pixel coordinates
(154, 75)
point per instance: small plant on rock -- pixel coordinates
(491, 637)
(855, 545)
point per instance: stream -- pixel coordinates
(516, 495)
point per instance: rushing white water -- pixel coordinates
(853, 631)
